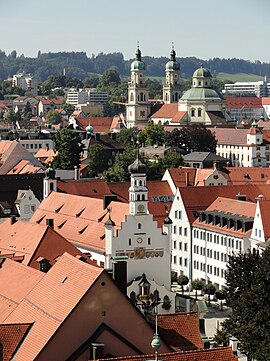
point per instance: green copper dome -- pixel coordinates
(202, 73)
(138, 64)
(201, 94)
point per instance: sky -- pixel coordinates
(201, 28)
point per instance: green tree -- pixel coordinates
(11, 117)
(154, 134)
(209, 289)
(53, 117)
(68, 145)
(98, 160)
(173, 276)
(248, 285)
(127, 137)
(197, 138)
(182, 280)
(197, 285)
(27, 111)
(68, 108)
(221, 296)
(119, 170)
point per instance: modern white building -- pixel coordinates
(26, 82)
(75, 97)
(257, 88)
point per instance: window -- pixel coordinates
(180, 246)
(260, 233)
(185, 231)
(139, 226)
(175, 214)
(185, 262)
(174, 229)
(185, 247)
(199, 112)
(129, 241)
(192, 112)
(180, 231)
(180, 261)
(174, 244)
(174, 259)
(180, 214)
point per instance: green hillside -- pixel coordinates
(239, 77)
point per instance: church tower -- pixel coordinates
(137, 107)
(171, 89)
(49, 182)
(138, 191)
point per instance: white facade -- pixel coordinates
(259, 88)
(181, 238)
(137, 107)
(33, 145)
(26, 204)
(26, 82)
(75, 97)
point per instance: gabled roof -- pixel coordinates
(99, 124)
(31, 241)
(46, 155)
(214, 354)
(80, 219)
(199, 198)
(166, 111)
(11, 336)
(243, 102)
(233, 207)
(25, 167)
(182, 176)
(230, 136)
(95, 188)
(180, 330)
(203, 156)
(48, 101)
(51, 300)
(265, 215)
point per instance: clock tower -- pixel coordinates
(138, 191)
(172, 88)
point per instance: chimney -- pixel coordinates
(76, 172)
(12, 221)
(241, 197)
(187, 179)
(50, 222)
(97, 351)
(107, 199)
(119, 274)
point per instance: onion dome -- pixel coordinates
(138, 64)
(50, 173)
(172, 63)
(137, 167)
(89, 129)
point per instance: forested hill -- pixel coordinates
(79, 65)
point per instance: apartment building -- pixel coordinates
(26, 82)
(258, 88)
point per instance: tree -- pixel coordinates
(248, 285)
(98, 161)
(68, 108)
(183, 280)
(68, 145)
(173, 276)
(127, 137)
(221, 296)
(209, 289)
(27, 111)
(119, 170)
(53, 117)
(154, 134)
(197, 138)
(197, 285)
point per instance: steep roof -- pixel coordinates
(199, 198)
(243, 102)
(230, 136)
(25, 167)
(180, 330)
(64, 285)
(182, 176)
(95, 188)
(11, 336)
(166, 111)
(31, 241)
(100, 124)
(48, 101)
(265, 214)
(233, 207)
(214, 354)
(80, 219)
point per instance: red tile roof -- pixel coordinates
(243, 102)
(99, 124)
(214, 354)
(64, 286)
(95, 188)
(11, 336)
(199, 198)
(180, 330)
(77, 218)
(233, 136)
(166, 111)
(31, 241)
(47, 101)
(183, 176)
(265, 214)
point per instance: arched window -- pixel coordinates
(138, 197)
(192, 112)
(199, 112)
(133, 297)
(156, 296)
(143, 197)
(131, 97)
(140, 183)
(141, 96)
(139, 226)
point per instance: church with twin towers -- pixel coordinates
(200, 104)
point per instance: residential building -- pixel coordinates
(241, 108)
(244, 147)
(75, 97)
(221, 230)
(258, 88)
(26, 82)
(45, 105)
(204, 160)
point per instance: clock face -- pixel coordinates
(139, 239)
(140, 207)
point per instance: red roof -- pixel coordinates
(166, 111)
(95, 188)
(265, 214)
(47, 101)
(243, 102)
(180, 330)
(99, 124)
(183, 176)
(11, 336)
(233, 136)
(214, 354)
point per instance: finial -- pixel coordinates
(138, 52)
(138, 45)
(172, 45)
(201, 65)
